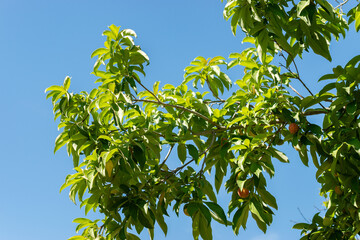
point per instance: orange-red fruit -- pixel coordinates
(243, 193)
(293, 128)
(338, 190)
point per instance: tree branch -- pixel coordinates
(167, 156)
(296, 91)
(297, 75)
(157, 99)
(182, 108)
(341, 4)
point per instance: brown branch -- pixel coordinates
(179, 168)
(204, 152)
(315, 112)
(297, 75)
(296, 91)
(157, 99)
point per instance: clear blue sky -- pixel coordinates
(44, 41)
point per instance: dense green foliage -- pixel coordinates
(115, 133)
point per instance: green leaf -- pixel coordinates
(67, 83)
(217, 212)
(319, 45)
(208, 190)
(327, 76)
(219, 175)
(240, 218)
(192, 208)
(315, 129)
(261, 224)
(114, 29)
(279, 155)
(77, 238)
(55, 88)
(195, 225)
(301, 226)
(194, 153)
(108, 155)
(313, 151)
(82, 220)
(128, 32)
(160, 220)
(99, 51)
(303, 155)
(355, 143)
(235, 20)
(130, 236)
(105, 137)
(144, 55)
(144, 219)
(351, 108)
(357, 20)
(327, 6)
(257, 210)
(301, 5)
(267, 197)
(250, 64)
(205, 212)
(205, 228)
(181, 151)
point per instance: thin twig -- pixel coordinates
(181, 167)
(303, 215)
(204, 152)
(296, 91)
(341, 4)
(167, 156)
(219, 101)
(297, 75)
(157, 99)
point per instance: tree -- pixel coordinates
(115, 133)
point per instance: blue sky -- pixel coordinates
(44, 41)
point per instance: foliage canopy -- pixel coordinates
(117, 132)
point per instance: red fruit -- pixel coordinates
(186, 211)
(293, 128)
(243, 193)
(338, 190)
